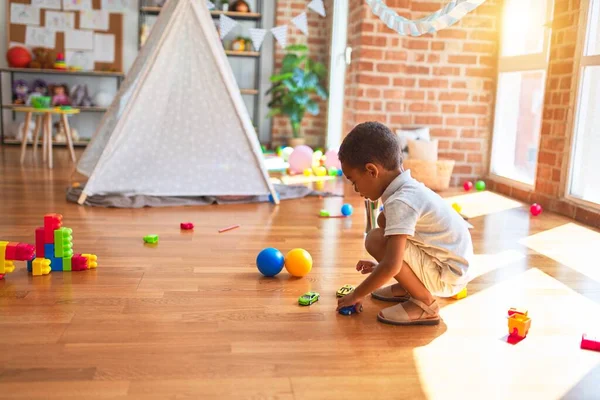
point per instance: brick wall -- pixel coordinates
(445, 81)
(318, 41)
(556, 131)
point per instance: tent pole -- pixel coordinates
(82, 199)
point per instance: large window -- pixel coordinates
(585, 160)
(520, 93)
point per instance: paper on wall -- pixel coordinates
(53, 4)
(77, 4)
(79, 40)
(104, 48)
(40, 37)
(115, 6)
(80, 59)
(24, 14)
(93, 19)
(60, 21)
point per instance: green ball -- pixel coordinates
(480, 186)
(333, 171)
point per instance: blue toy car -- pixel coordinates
(350, 310)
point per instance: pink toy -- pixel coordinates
(535, 209)
(24, 252)
(229, 228)
(468, 185)
(301, 159)
(590, 343)
(79, 263)
(331, 159)
(186, 226)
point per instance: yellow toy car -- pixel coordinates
(344, 290)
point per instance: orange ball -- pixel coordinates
(298, 262)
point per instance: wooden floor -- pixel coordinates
(192, 319)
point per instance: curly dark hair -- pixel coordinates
(371, 142)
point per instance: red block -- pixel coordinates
(590, 343)
(40, 235)
(25, 252)
(11, 251)
(186, 225)
(51, 223)
(79, 263)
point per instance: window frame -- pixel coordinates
(522, 63)
(581, 61)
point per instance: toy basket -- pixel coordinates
(433, 174)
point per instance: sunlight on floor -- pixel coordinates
(533, 368)
(484, 263)
(572, 245)
(482, 203)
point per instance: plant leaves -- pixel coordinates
(301, 48)
(298, 78)
(301, 98)
(273, 112)
(321, 91)
(310, 81)
(281, 77)
(312, 108)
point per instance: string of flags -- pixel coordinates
(441, 19)
(257, 35)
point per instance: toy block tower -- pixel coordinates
(54, 244)
(13, 251)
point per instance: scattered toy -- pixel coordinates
(347, 210)
(308, 298)
(590, 342)
(14, 251)
(344, 290)
(270, 261)
(518, 323)
(298, 262)
(460, 295)
(457, 207)
(229, 228)
(480, 186)
(323, 213)
(468, 185)
(152, 239)
(350, 310)
(186, 226)
(535, 209)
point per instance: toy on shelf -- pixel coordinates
(270, 261)
(60, 62)
(518, 323)
(42, 58)
(344, 290)
(186, 226)
(39, 89)
(20, 91)
(14, 251)
(468, 185)
(590, 342)
(535, 209)
(350, 310)
(308, 298)
(151, 239)
(18, 57)
(54, 249)
(460, 295)
(80, 97)
(59, 95)
(240, 6)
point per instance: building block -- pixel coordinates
(79, 263)
(186, 226)
(56, 264)
(151, 239)
(518, 323)
(63, 242)
(49, 251)
(40, 266)
(25, 252)
(590, 342)
(66, 263)
(6, 266)
(92, 260)
(30, 265)
(40, 240)
(460, 295)
(51, 223)
(1, 276)
(11, 251)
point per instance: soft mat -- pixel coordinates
(286, 192)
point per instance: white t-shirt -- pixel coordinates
(412, 209)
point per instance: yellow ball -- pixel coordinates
(320, 171)
(307, 172)
(298, 262)
(457, 207)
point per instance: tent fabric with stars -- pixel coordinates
(178, 126)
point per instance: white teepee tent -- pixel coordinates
(178, 126)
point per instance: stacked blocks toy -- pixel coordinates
(11, 252)
(54, 249)
(518, 323)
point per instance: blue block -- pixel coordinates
(49, 250)
(56, 264)
(29, 265)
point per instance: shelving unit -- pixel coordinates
(31, 71)
(260, 20)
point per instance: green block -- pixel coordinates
(151, 238)
(324, 213)
(67, 263)
(63, 242)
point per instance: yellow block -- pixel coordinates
(3, 257)
(460, 295)
(92, 260)
(40, 266)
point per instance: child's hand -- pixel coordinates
(365, 266)
(348, 301)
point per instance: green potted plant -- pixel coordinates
(294, 87)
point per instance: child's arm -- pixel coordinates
(386, 270)
(381, 221)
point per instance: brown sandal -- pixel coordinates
(397, 315)
(385, 294)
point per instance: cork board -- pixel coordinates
(16, 33)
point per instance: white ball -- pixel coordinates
(103, 99)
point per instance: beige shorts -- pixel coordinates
(429, 271)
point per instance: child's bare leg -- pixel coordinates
(375, 245)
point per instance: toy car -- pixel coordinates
(308, 298)
(151, 239)
(350, 310)
(344, 290)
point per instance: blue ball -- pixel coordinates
(347, 210)
(270, 261)
(340, 172)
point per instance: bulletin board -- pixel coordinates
(17, 32)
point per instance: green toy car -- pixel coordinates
(344, 290)
(308, 298)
